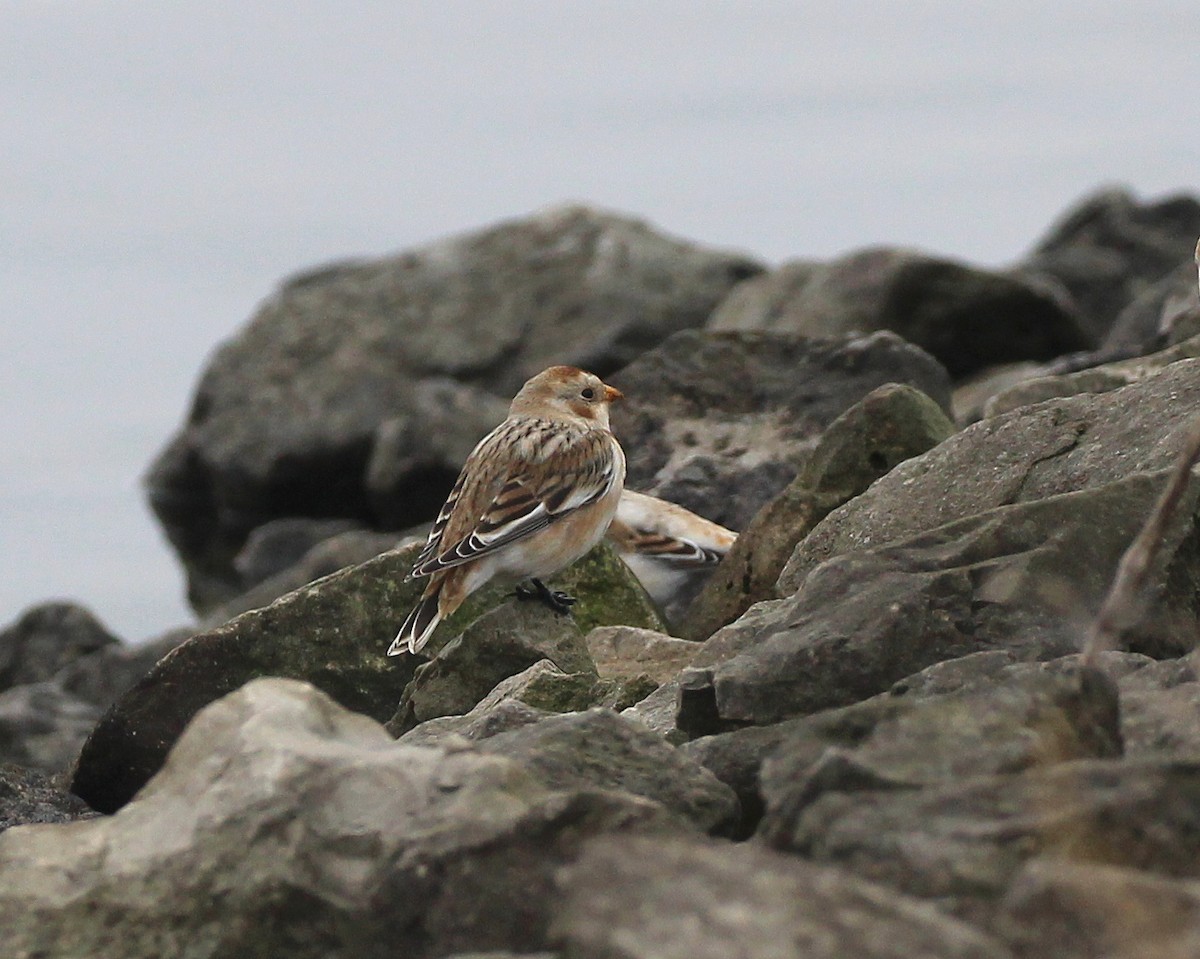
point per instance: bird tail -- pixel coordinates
(418, 626)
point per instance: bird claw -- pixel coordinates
(556, 599)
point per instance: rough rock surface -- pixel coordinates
(501, 643)
(683, 899)
(1076, 443)
(891, 424)
(27, 796)
(1095, 379)
(287, 414)
(284, 824)
(965, 316)
(626, 652)
(721, 422)
(598, 749)
(963, 842)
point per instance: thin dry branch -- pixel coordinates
(1127, 595)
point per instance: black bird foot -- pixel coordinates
(556, 599)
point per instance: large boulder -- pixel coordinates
(965, 316)
(288, 415)
(284, 824)
(1111, 247)
(721, 422)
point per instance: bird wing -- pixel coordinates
(673, 550)
(521, 478)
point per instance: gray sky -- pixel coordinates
(165, 164)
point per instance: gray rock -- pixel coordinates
(1096, 379)
(42, 726)
(486, 719)
(27, 796)
(891, 424)
(288, 413)
(1077, 443)
(1158, 316)
(1083, 911)
(721, 422)
(965, 316)
(284, 824)
(282, 543)
(501, 643)
(683, 899)
(102, 677)
(1032, 722)
(626, 652)
(45, 638)
(332, 633)
(962, 843)
(1110, 247)
(1007, 578)
(598, 749)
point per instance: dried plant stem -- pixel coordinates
(1127, 593)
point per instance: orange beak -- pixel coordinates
(612, 394)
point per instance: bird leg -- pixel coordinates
(556, 599)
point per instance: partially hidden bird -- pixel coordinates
(534, 495)
(664, 544)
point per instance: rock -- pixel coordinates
(349, 548)
(501, 643)
(332, 633)
(720, 422)
(964, 842)
(416, 457)
(891, 424)
(486, 719)
(736, 757)
(1096, 379)
(104, 676)
(280, 544)
(973, 393)
(964, 316)
(1008, 728)
(27, 796)
(282, 823)
(1011, 578)
(1110, 247)
(287, 415)
(45, 638)
(626, 652)
(683, 899)
(42, 726)
(1078, 911)
(1077, 443)
(1155, 318)
(598, 749)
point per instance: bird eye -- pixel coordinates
(588, 393)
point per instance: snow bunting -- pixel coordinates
(534, 495)
(665, 544)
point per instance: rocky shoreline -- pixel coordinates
(870, 732)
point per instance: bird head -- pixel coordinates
(564, 392)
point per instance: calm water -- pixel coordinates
(163, 166)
